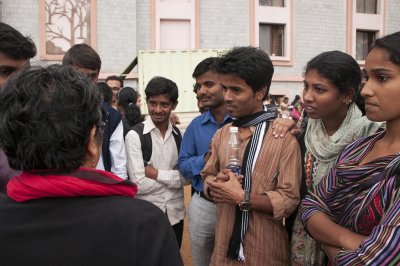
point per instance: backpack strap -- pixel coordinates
(177, 136)
(145, 142)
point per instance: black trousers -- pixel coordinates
(178, 230)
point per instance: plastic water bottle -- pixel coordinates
(233, 161)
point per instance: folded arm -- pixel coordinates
(321, 227)
(351, 248)
(381, 247)
(170, 178)
(136, 167)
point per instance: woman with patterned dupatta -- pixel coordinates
(354, 212)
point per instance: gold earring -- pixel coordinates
(93, 164)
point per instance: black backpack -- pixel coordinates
(146, 144)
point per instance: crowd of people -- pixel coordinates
(86, 179)
(285, 109)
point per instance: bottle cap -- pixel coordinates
(233, 129)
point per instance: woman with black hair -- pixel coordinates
(297, 108)
(331, 80)
(354, 211)
(60, 210)
(127, 104)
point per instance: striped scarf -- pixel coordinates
(348, 192)
(259, 120)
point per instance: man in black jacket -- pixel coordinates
(86, 60)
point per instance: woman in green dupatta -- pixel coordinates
(333, 120)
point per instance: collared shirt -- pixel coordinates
(194, 147)
(276, 175)
(118, 154)
(167, 191)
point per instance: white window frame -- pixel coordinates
(275, 15)
(364, 22)
(275, 6)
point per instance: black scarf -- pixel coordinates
(259, 120)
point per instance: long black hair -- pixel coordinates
(127, 98)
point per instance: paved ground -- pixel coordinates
(185, 249)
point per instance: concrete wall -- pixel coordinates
(116, 34)
(393, 16)
(23, 16)
(224, 24)
(143, 24)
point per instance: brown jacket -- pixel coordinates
(266, 240)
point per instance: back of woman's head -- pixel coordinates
(133, 115)
(127, 96)
(390, 43)
(296, 99)
(46, 116)
(339, 68)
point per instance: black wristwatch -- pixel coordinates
(245, 204)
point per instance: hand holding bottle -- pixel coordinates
(224, 176)
(233, 162)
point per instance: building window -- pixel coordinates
(364, 41)
(279, 3)
(365, 23)
(367, 6)
(272, 29)
(174, 24)
(271, 39)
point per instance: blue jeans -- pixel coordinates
(202, 216)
